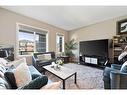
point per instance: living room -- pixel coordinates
(19, 22)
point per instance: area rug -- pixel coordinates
(87, 77)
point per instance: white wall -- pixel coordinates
(102, 30)
(8, 22)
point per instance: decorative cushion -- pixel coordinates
(9, 76)
(122, 55)
(44, 57)
(1, 74)
(47, 56)
(4, 84)
(124, 67)
(2, 70)
(40, 57)
(55, 85)
(17, 62)
(36, 83)
(22, 75)
(3, 61)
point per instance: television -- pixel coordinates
(94, 48)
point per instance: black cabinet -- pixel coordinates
(64, 58)
(93, 60)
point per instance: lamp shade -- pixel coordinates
(3, 53)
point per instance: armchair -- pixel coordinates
(39, 63)
(114, 77)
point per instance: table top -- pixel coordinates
(63, 72)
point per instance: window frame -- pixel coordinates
(17, 38)
(33, 34)
(62, 35)
(39, 42)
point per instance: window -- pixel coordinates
(40, 42)
(26, 42)
(60, 43)
(31, 40)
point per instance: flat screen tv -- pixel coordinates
(94, 48)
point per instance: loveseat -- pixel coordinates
(8, 81)
(38, 63)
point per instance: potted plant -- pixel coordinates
(69, 47)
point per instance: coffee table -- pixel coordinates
(63, 73)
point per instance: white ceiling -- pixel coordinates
(70, 17)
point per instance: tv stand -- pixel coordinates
(93, 60)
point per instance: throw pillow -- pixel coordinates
(17, 62)
(122, 55)
(2, 71)
(40, 57)
(47, 56)
(4, 84)
(37, 83)
(3, 61)
(44, 57)
(1, 74)
(22, 75)
(124, 67)
(55, 85)
(9, 76)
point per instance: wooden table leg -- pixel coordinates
(63, 84)
(44, 71)
(75, 78)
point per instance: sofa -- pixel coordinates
(39, 63)
(115, 77)
(8, 81)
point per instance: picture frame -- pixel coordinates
(122, 27)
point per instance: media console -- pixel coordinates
(93, 60)
(94, 52)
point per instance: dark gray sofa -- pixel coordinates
(38, 64)
(38, 80)
(114, 77)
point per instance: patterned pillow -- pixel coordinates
(2, 71)
(44, 57)
(122, 55)
(4, 84)
(1, 74)
(40, 57)
(47, 56)
(124, 67)
(17, 62)
(22, 75)
(3, 62)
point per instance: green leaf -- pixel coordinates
(71, 45)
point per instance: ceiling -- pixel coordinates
(70, 17)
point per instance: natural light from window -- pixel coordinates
(31, 41)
